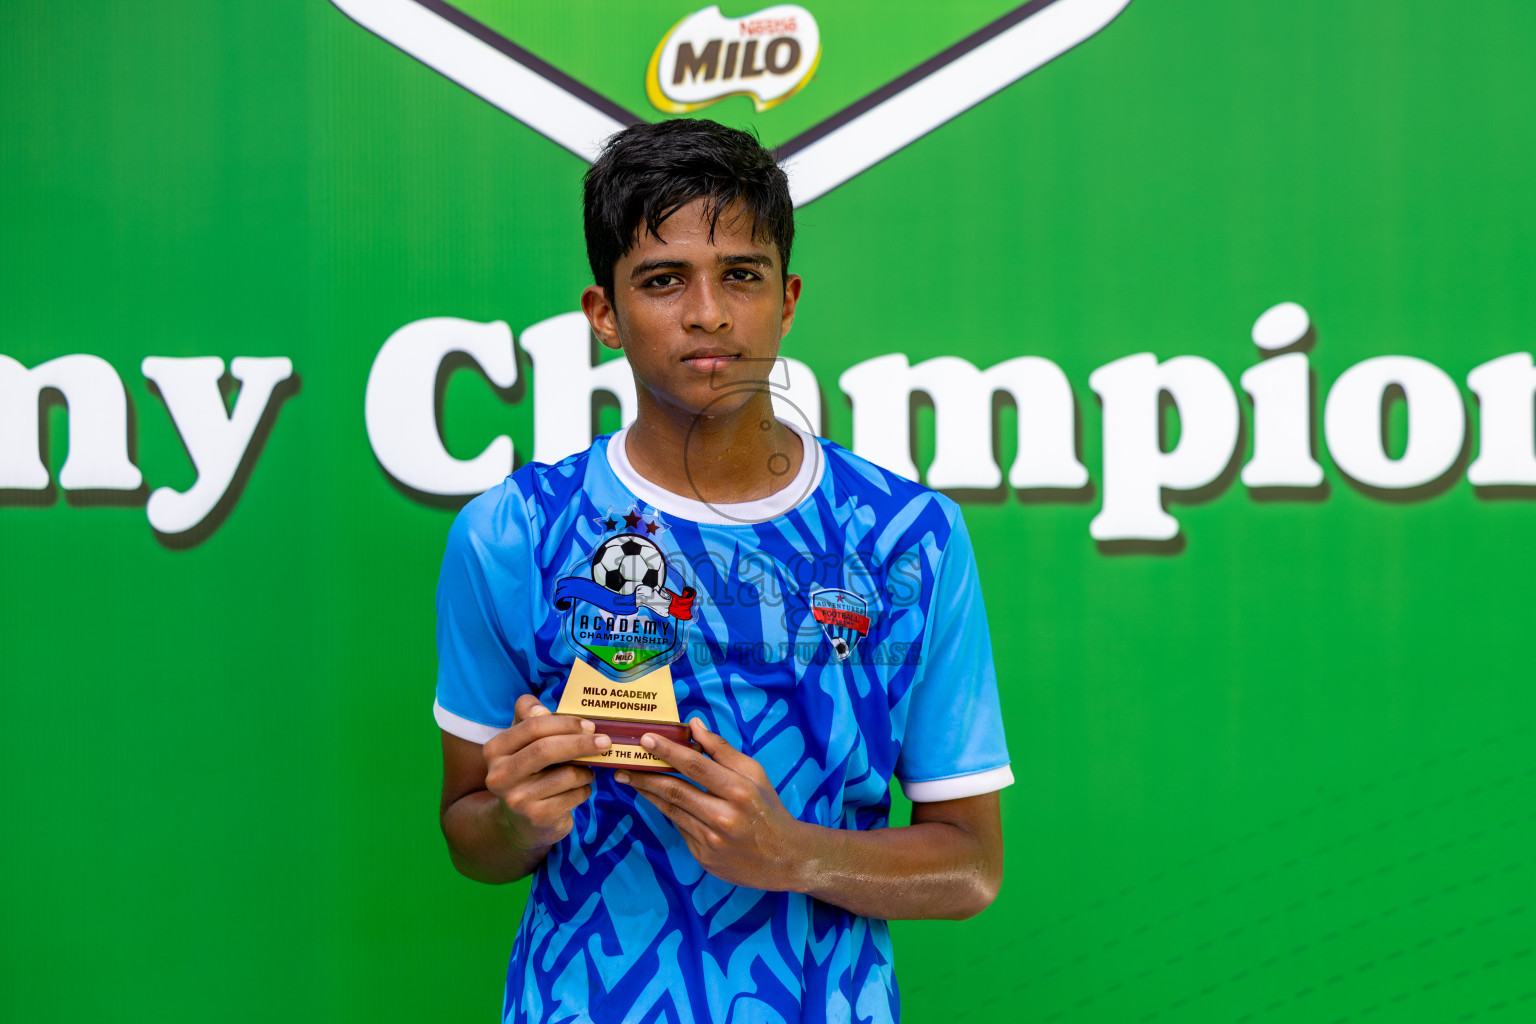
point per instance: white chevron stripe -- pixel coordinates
(950, 91)
(542, 105)
(842, 154)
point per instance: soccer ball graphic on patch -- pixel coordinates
(620, 614)
(628, 561)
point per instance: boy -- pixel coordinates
(835, 637)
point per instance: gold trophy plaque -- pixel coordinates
(628, 627)
(647, 705)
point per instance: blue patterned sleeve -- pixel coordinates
(954, 745)
(483, 628)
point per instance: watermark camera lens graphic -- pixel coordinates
(734, 394)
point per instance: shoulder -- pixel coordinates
(514, 511)
(892, 498)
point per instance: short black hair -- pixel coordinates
(647, 172)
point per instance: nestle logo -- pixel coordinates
(768, 26)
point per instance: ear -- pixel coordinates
(791, 296)
(600, 314)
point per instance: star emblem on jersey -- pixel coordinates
(635, 520)
(844, 617)
(617, 603)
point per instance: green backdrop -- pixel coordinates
(1281, 772)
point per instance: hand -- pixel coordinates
(523, 767)
(738, 829)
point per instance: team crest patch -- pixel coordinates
(844, 617)
(618, 604)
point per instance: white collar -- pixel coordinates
(721, 513)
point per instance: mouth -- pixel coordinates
(709, 360)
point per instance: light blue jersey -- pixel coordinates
(834, 632)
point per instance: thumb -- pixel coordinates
(527, 707)
(719, 748)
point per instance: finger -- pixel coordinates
(676, 792)
(691, 828)
(527, 706)
(566, 802)
(557, 780)
(720, 749)
(553, 750)
(514, 738)
(713, 777)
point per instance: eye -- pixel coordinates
(741, 274)
(662, 281)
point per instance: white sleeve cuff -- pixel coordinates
(461, 727)
(959, 787)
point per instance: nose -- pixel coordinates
(707, 309)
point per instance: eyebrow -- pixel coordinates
(755, 259)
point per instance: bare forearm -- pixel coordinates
(928, 870)
(482, 842)
(947, 863)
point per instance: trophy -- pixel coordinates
(628, 627)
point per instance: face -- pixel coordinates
(699, 318)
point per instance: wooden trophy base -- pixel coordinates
(649, 704)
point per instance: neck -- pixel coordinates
(721, 459)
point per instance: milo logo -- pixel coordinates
(706, 57)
